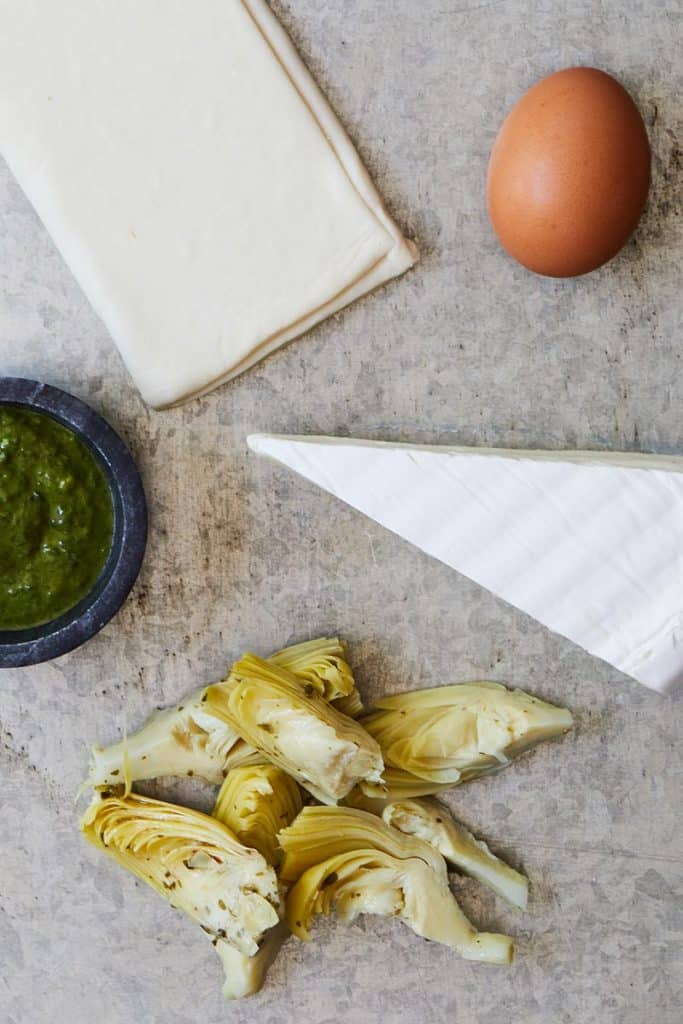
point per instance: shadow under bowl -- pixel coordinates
(42, 643)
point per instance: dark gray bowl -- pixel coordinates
(30, 646)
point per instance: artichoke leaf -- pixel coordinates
(360, 801)
(400, 785)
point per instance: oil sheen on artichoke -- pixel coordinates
(56, 519)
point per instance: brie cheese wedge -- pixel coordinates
(192, 175)
(588, 543)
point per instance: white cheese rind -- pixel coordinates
(590, 544)
(193, 176)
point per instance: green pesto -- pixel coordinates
(56, 519)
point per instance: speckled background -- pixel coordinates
(467, 348)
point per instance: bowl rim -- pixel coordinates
(129, 540)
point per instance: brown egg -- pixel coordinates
(569, 173)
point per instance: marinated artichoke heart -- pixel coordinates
(294, 728)
(435, 738)
(323, 664)
(192, 860)
(186, 740)
(373, 871)
(182, 740)
(255, 802)
(434, 824)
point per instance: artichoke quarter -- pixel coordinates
(351, 862)
(256, 802)
(181, 740)
(193, 861)
(187, 740)
(433, 823)
(295, 728)
(436, 738)
(323, 664)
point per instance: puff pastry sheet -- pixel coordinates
(192, 175)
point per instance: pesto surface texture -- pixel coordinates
(56, 518)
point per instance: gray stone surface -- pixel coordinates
(467, 348)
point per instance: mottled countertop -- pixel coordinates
(467, 348)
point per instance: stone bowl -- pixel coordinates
(73, 628)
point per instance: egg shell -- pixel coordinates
(569, 173)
